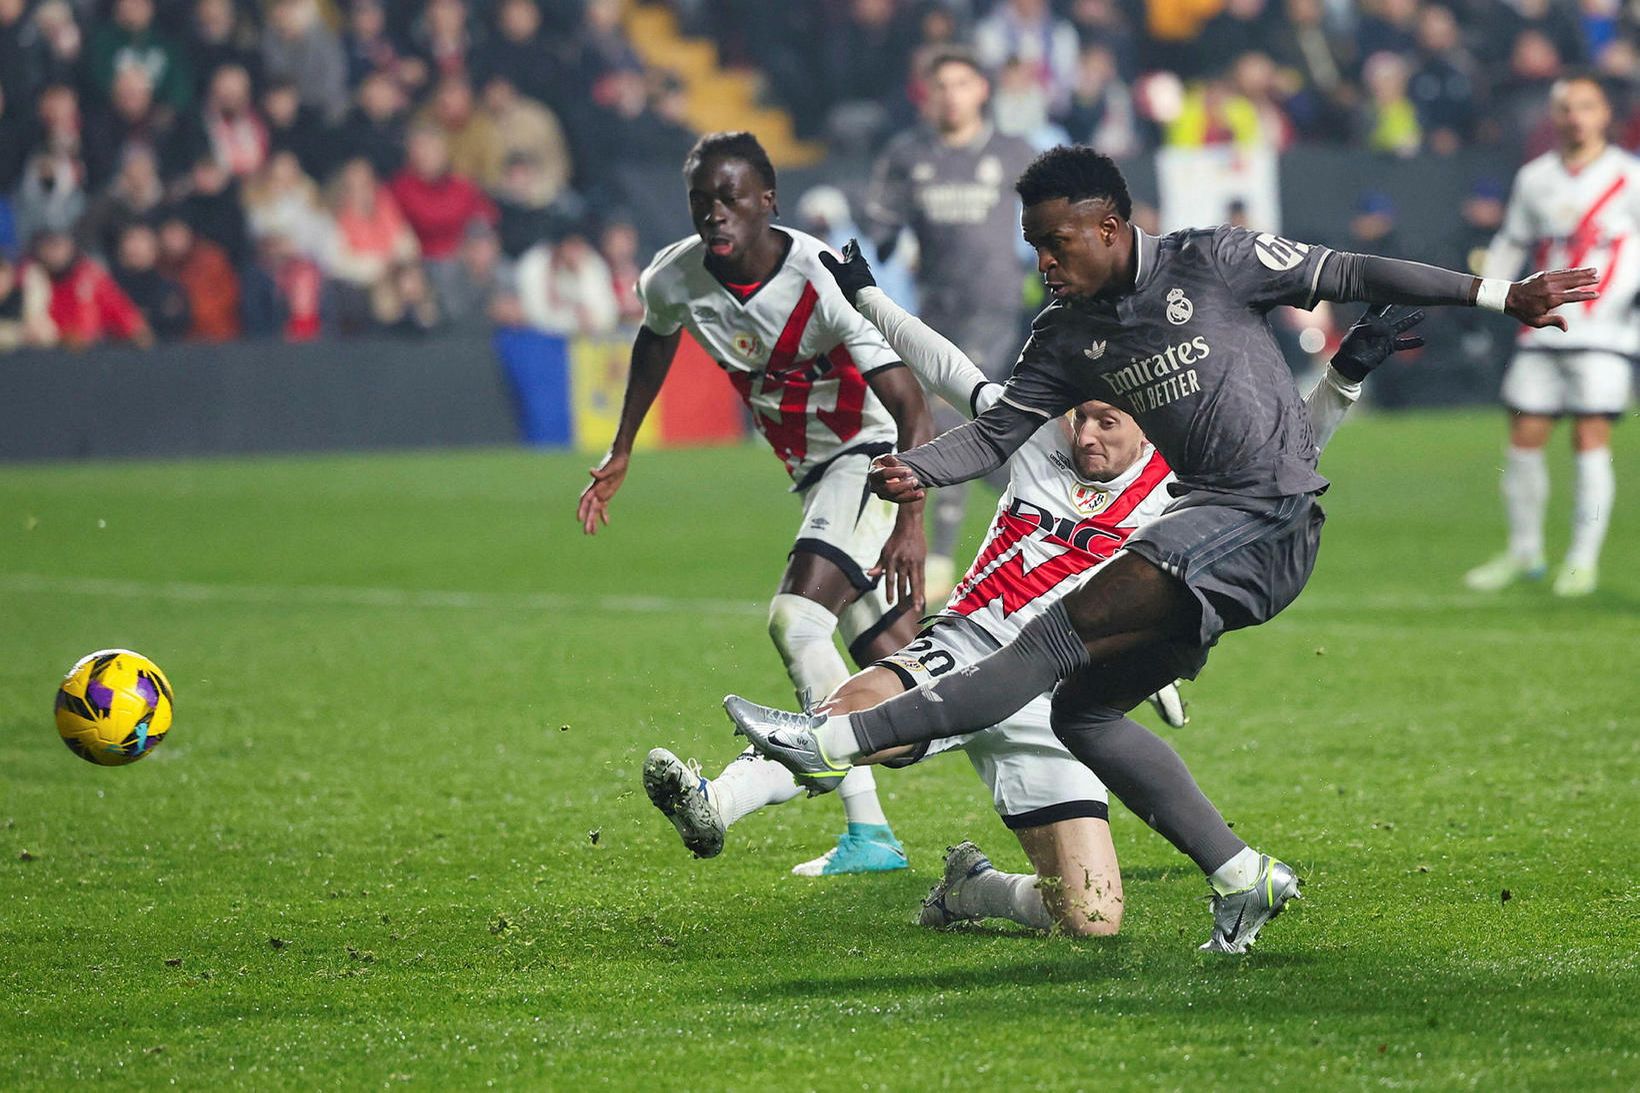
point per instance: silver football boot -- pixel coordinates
(962, 861)
(788, 739)
(679, 791)
(1239, 916)
(1171, 706)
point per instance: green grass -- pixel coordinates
(410, 694)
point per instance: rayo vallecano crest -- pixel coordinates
(1088, 500)
(1179, 307)
(747, 345)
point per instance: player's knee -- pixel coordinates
(796, 622)
(1075, 722)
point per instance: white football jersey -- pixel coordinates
(1565, 219)
(794, 348)
(1052, 528)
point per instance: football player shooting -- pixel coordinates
(828, 394)
(1173, 330)
(1097, 466)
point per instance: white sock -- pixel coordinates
(1237, 874)
(1525, 497)
(859, 792)
(995, 894)
(747, 784)
(802, 631)
(836, 738)
(1592, 511)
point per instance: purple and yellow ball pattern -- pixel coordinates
(114, 707)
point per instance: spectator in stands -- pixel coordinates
(1243, 26)
(1028, 31)
(618, 246)
(1103, 23)
(1102, 112)
(298, 46)
(230, 128)
(132, 117)
(1389, 121)
(283, 291)
(220, 37)
(1316, 63)
(1217, 112)
(18, 68)
(133, 197)
(631, 128)
(1374, 227)
(1520, 103)
(438, 203)
(1020, 107)
(487, 275)
(130, 40)
(602, 46)
(370, 47)
(1557, 23)
(444, 41)
(16, 136)
(564, 288)
(371, 240)
(51, 197)
(522, 222)
(518, 53)
(406, 304)
(375, 128)
(210, 204)
(1443, 83)
(162, 301)
(866, 59)
(203, 270)
(87, 305)
(527, 130)
(476, 148)
(25, 307)
(295, 128)
(282, 200)
(1387, 26)
(61, 53)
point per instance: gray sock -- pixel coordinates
(979, 696)
(1150, 779)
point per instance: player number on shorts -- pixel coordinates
(936, 662)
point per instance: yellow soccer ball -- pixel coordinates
(114, 707)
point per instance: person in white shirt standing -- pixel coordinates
(1578, 206)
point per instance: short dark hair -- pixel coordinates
(1584, 75)
(737, 144)
(953, 55)
(1075, 173)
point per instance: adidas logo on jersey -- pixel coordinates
(1095, 351)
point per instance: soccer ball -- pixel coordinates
(114, 707)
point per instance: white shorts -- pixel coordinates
(1568, 381)
(1033, 779)
(846, 524)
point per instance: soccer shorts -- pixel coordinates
(1032, 778)
(1243, 559)
(1568, 381)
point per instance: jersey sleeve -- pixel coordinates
(1265, 271)
(866, 345)
(888, 198)
(1039, 383)
(940, 365)
(661, 314)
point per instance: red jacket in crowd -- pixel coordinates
(88, 306)
(440, 209)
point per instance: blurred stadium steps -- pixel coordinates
(717, 98)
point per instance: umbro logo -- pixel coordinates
(1094, 351)
(819, 523)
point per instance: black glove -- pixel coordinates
(853, 273)
(1375, 335)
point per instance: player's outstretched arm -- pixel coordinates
(1378, 333)
(971, 450)
(940, 366)
(901, 562)
(651, 359)
(1366, 277)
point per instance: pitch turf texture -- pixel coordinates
(397, 833)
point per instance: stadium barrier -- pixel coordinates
(269, 397)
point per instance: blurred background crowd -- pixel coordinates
(218, 169)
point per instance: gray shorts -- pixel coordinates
(1244, 559)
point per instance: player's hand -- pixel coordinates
(1376, 334)
(894, 481)
(901, 564)
(853, 273)
(1533, 300)
(606, 479)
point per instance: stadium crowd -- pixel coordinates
(216, 169)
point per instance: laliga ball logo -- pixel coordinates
(1088, 500)
(1179, 307)
(747, 345)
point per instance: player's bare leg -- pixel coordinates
(1595, 488)
(1525, 499)
(1076, 887)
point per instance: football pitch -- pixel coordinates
(397, 833)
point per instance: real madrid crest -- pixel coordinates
(1089, 500)
(1179, 307)
(988, 170)
(747, 345)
